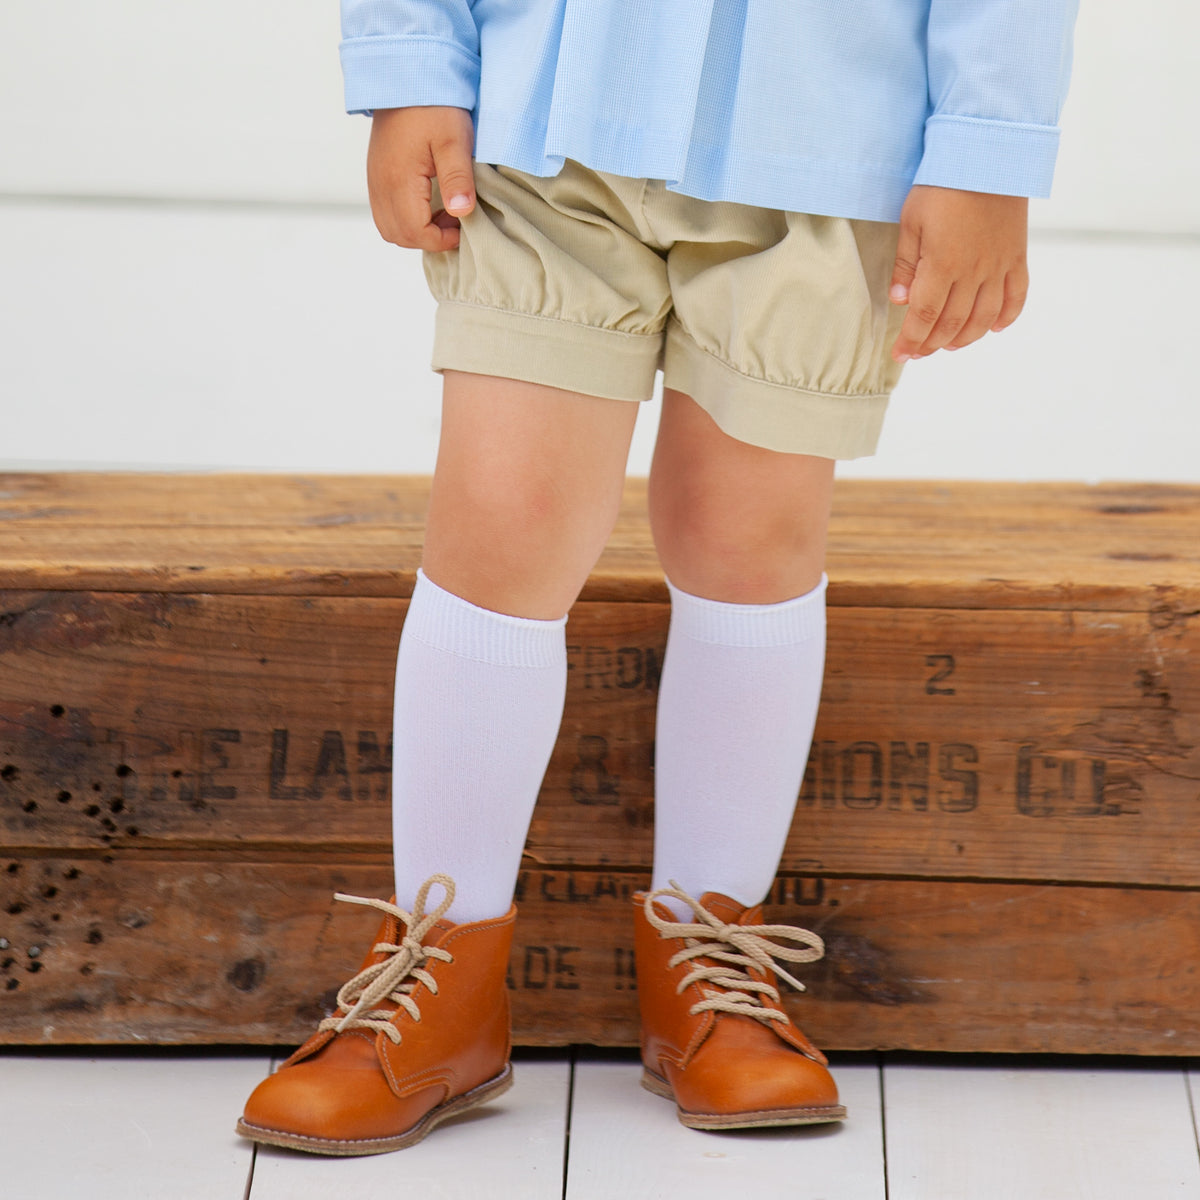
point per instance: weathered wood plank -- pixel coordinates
(626, 1142)
(1012, 745)
(1117, 547)
(179, 950)
(1061, 1133)
(117, 1127)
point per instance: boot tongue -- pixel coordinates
(394, 931)
(434, 935)
(724, 908)
(732, 913)
(390, 932)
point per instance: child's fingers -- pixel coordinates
(904, 270)
(442, 232)
(450, 159)
(410, 147)
(1016, 288)
(927, 299)
(455, 174)
(956, 311)
(411, 221)
(983, 316)
(419, 225)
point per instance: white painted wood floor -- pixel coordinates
(159, 1125)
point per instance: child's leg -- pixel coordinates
(740, 531)
(527, 488)
(526, 491)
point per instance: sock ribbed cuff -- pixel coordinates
(448, 622)
(785, 624)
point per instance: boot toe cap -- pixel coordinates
(784, 1087)
(301, 1105)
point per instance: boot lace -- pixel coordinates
(392, 979)
(733, 949)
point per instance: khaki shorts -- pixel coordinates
(776, 323)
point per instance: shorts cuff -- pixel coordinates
(775, 416)
(547, 350)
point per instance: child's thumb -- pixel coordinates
(904, 271)
(456, 180)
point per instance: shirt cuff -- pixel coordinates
(1002, 157)
(402, 72)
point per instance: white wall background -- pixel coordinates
(189, 276)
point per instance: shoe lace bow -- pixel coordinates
(392, 979)
(731, 950)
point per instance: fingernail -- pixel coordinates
(458, 203)
(951, 347)
(903, 358)
(899, 293)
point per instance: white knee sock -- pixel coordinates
(736, 709)
(479, 699)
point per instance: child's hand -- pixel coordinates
(409, 147)
(960, 267)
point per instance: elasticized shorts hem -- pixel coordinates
(775, 416)
(617, 365)
(547, 350)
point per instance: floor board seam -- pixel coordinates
(250, 1173)
(883, 1145)
(1191, 1099)
(567, 1127)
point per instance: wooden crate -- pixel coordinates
(996, 835)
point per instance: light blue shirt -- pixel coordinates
(823, 106)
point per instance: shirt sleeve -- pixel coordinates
(998, 74)
(400, 53)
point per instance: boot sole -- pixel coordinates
(356, 1146)
(762, 1119)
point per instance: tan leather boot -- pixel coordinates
(715, 1038)
(422, 1033)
